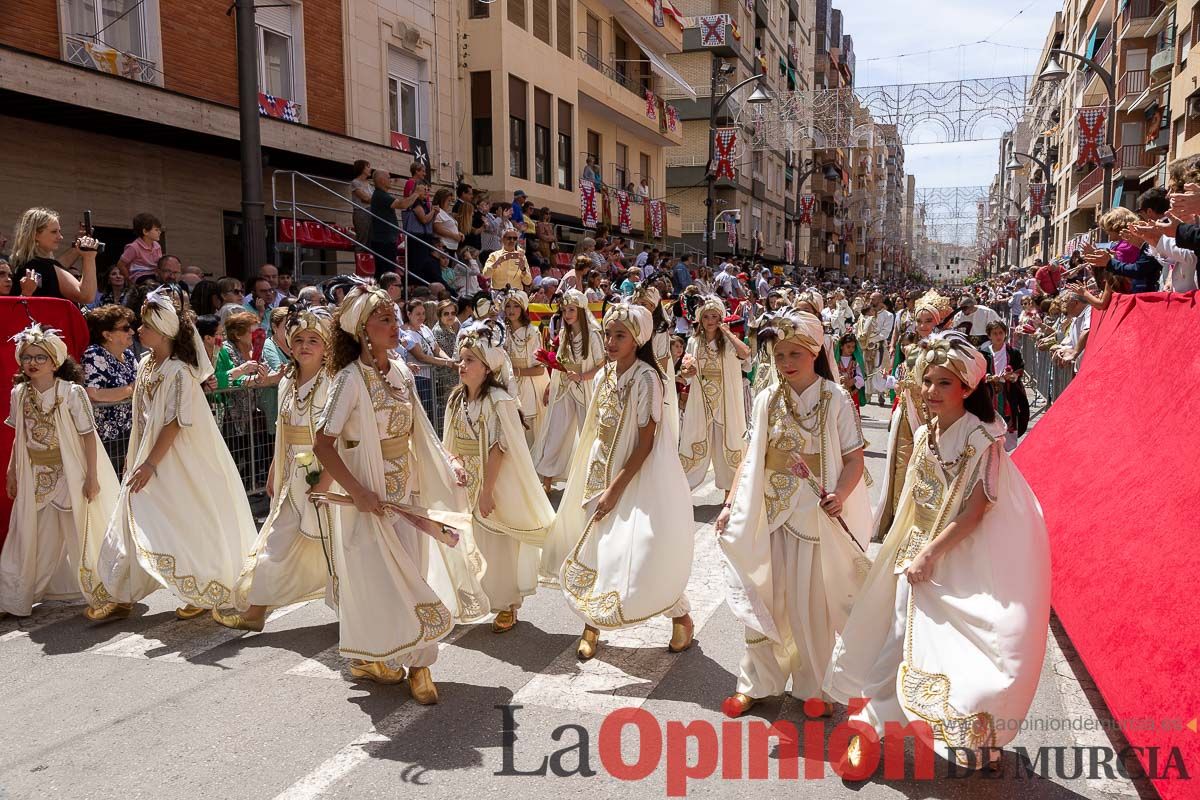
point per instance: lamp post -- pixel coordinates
(1054, 72)
(1012, 166)
(759, 96)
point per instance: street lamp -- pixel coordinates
(1055, 72)
(1014, 165)
(759, 96)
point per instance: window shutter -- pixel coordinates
(275, 17)
(516, 12)
(564, 32)
(403, 66)
(541, 20)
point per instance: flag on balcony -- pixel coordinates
(587, 204)
(1037, 196)
(650, 105)
(712, 30)
(672, 118)
(657, 218)
(623, 218)
(412, 145)
(1091, 134)
(731, 229)
(1011, 227)
(659, 18)
(807, 203)
(726, 141)
(278, 108)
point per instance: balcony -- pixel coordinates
(1132, 84)
(84, 51)
(1137, 16)
(731, 49)
(637, 17)
(605, 89)
(1132, 158)
(1160, 143)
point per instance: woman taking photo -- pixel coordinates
(37, 237)
(109, 370)
(950, 625)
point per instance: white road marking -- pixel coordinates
(44, 616)
(329, 663)
(177, 641)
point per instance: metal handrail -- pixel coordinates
(296, 208)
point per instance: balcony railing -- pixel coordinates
(1133, 156)
(1089, 182)
(1104, 52)
(1140, 11)
(1133, 82)
(631, 82)
(85, 51)
(1164, 58)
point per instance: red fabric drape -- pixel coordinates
(1114, 463)
(15, 313)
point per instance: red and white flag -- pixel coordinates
(807, 203)
(623, 220)
(1091, 134)
(657, 218)
(587, 204)
(712, 30)
(726, 141)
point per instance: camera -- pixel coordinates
(87, 230)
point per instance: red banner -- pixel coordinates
(807, 203)
(650, 113)
(623, 219)
(1011, 227)
(731, 229)
(1037, 196)
(1091, 134)
(712, 30)
(672, 118)
(587, 204)
(657, 218)
(726, 140)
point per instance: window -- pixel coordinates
(480, 9)
(518, 128)
(563, 8)
(516, 13)
(565, 148)
(407, 95)
(591, 42)
(276, 52)
(541, 20)
(622, 166)
(481, 123)
(644, 167)
(541, 136)
(122, 23)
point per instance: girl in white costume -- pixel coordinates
(60, 478)
(620, 545)
(182, 520)
(581, 353)
(292, 560)
(931, 310)
(399, 591)
(950, 625)
(522, 344)
(714, 421)
(792, 570)
(649, 298)
(511, 513)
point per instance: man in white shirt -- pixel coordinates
(727, 285)
(1071, 350)
(976, 317)
(884, 322)
(763, 285)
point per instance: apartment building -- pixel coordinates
(131, 105)
(767, 37)
(550, 84)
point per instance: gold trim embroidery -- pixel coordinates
(435, 622)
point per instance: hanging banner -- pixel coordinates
(587, 204)
(1091, 134)
(1037, 197)
(659, 19)
(657, 218)
(672, 118)
(788, 251)
(650, 114)
(278, 108)
(1012, 227)
(807, 203)
(726, 140)
(731, 229)
(606, 206)
(623, 218)
(712, 30)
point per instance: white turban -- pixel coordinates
(517, 296)
(485, 340)
(574, 297)
(711, 303)
(647, 294)
(953, 351)
(638, 320)
(357, 307)
(49, 339)
(801, 327)
(161, 313)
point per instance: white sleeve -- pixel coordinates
(848, 432)
(14, 399)
(80, 408)
(179, 397)
(343, 397)
(649, 398)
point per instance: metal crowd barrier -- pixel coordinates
(1046, 376)
(246, 417)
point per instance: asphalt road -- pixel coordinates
(152, 707)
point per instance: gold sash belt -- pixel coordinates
(781, 460)
(462, 446)
(297, 436)
(45, 458)
(571, 366)
(394, 448)
(523, 363)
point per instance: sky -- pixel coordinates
(883, 30)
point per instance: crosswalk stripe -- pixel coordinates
(176, 641)
(632, 661)
(44, 615)
(329, 663)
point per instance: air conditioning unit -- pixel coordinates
(1193, 106)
